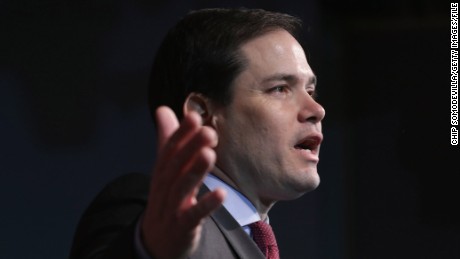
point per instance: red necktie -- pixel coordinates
(263, 235)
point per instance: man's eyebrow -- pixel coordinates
(289, 78)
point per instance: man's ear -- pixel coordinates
(200, 104)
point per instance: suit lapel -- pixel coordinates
(243, 245)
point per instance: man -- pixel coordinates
(240, 83)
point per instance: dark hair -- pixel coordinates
(201, 54)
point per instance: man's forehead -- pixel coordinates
(276, 55)
(269, 37)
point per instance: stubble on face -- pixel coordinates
(259, 129)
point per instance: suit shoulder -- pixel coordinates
(111, 217)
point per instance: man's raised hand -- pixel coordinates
(172, 221)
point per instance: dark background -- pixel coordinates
(73, 116)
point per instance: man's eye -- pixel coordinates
(313, 94)
(278, 89)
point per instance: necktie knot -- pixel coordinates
(264, 237)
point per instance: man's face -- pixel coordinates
(269, 134)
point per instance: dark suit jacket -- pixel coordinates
(106, 229)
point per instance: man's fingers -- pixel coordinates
(167, 124)
(211, 201)
(192, 153)
(189, 125)
(201, 163)
(168, 163)
(174, 143)
(178, 150)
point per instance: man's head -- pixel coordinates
(248, 76)
(201, 54)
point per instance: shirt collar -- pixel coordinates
(236, 203)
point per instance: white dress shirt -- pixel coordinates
(236, 203)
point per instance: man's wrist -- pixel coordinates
(139, 246)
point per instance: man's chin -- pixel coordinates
(305, 185)
(297, 189)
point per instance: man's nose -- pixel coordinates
(311, 110)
